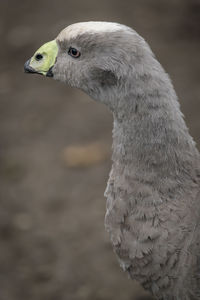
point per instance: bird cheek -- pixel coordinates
(58, 73)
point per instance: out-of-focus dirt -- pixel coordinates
(52, 240)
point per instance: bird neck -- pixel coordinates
(151, 143)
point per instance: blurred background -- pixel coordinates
(55, 148)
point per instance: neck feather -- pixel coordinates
(151, 143)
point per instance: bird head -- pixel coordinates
(96, 57)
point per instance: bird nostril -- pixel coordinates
(38, 56)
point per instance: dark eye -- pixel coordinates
(74, 52)
(39, 56)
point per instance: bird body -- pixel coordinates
(153, 199)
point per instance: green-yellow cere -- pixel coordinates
(49, 52)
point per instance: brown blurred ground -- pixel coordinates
(52, 240)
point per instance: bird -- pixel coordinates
(153, 190)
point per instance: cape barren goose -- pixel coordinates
(153, 199)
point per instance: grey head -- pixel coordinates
(98, 57)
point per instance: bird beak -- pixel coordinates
(43, 60)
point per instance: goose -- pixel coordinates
(153, 191)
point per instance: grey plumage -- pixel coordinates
(153, 199)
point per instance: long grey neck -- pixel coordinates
(151, 143)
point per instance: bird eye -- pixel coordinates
(74, 52)
(38, 56)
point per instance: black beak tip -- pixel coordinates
(27, 68)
